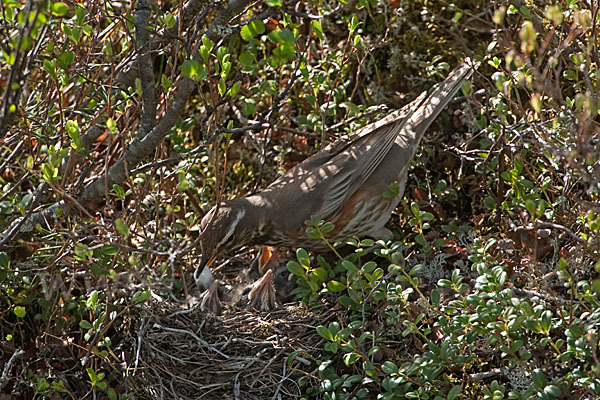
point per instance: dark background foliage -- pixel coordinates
(122, 124)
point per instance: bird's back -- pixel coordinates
(370, 158)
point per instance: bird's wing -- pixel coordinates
(352, 164)
(322, 157)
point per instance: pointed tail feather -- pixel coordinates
(418, 122)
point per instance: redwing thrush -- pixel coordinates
(342, 184)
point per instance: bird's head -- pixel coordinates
(221, 231)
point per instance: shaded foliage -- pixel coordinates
(122, 126)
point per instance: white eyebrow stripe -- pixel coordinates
(240, 214)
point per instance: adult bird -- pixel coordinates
(343, 184)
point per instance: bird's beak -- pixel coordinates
(203, 262)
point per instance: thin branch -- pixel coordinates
(142, 15)
(16, 355)
(551, 225)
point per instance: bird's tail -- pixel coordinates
(427, 108)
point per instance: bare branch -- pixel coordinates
(142, 15)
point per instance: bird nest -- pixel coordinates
(240, 354)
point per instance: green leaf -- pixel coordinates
(50, 68)
(208, 43)
(419, 239)
(92, 374)
(353, 24)
(562, 264)
(202, 73)
(20, 311)
(320, 274)
(324, 332)
(414, 208)
(85, 324)
(349, 266)
(92, 300)
(530, 207)
(378, 274)
(389, 367)
(435, 297)
(59, 9)
(282, 36)
(41, 385)
(489, 202)
(312, 233)
(525, 11)
(111, 125)
(538, 378)
(222, 87)
(295, 269)
(59, 386)
(546, 320)
(170, 20)
(65, 59)
(427, 216)
(392, 191)
(552, 390)
(223, 54)
(323, 264)
(190, 68)
(226, 67)
(417, 269)
(350, 358)
(141, 296)
(73, 131)
(331, 347)
(122, 227)
(445, 283)
(327, 227)
(317, 29)
(335, 286)
(570, 75)
(49, 173)
(293, 355)
(314, 286)
(4, 260)
(454, 392)
(369, 267)
(346, 301)
(466, 88)
(235, 88)
(303, 258)
(367, 243)
(204, 52)
(109, 250)
(246, 59)
(252, 29)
